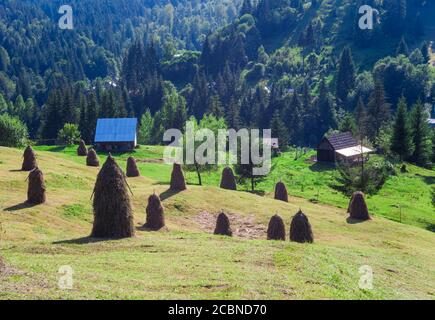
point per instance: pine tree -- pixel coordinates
(361, 118)
(378, 111)
(426, 52)
(327, 113)
(401, 140)
(402, 48)
(345, 82)
(215, 107)
(420, 135)
(278, 129)
(92, 110)
(246, 7)
(232, 116)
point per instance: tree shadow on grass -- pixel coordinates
(145, 229)
(322, 167)
(20, 206)
(83, 240)
(168, 194)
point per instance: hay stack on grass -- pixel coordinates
(132, 170)
(82, 151)
(178, 183)
(300, 229)
(358, 208)
(113, 217)
(36, 188)
(281, 192)
(228, 181)
(276, 229)
(155, 214)
(29, 161)
(223, 225)
(92, 159)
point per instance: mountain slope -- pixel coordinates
(186, 261)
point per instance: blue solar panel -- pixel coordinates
(116, 130)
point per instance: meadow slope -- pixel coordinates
(186, 260)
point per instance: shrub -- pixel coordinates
(69, 133)
(370, 181)
(13, 133)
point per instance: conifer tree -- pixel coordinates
(402, 48)
(278, 129)
(378, 111)
(401, 140)
(345, 81)
(420, 135)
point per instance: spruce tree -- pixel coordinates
(361, 118)
(402, 48)
(327, 113)
(246, 7)
(278, 129)
(401, 141)
(420, 135)
(378, 111)
(345, 81)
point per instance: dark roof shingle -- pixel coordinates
(342, 140)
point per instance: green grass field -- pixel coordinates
(186, 261)
(405, 198)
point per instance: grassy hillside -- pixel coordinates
(404, 198)
(186, 260)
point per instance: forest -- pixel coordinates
(302, 68)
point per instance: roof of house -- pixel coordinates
(354, 151)
(342, 140)
(116, 130)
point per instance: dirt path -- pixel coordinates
(243, 226)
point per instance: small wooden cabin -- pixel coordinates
(116, 135)
(341, 147)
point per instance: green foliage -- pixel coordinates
(13, 133)
(368, 177)
(145, 129)
(69, 133)
(421, 137)
(401, 140)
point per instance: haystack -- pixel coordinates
(113, 217)
(92, 159)
(82, 151)
(300, 229)
(358, 208)
(155, 215)
(36, 188)
(223, 225)
(281, 192)
(178, 183)
(228, 181)
(132, 170)
(29, 161)
(276, 229)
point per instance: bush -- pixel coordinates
(13, 133)
(69, 133)
(351, 179)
